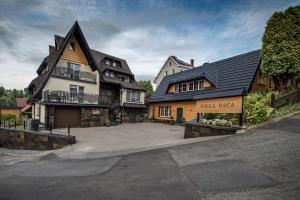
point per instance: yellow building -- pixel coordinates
(216, 87)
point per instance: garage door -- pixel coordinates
(67, 116)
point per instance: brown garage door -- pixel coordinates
(67, 116)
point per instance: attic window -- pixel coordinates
(114, 64)
(107, 62)
(71, 46)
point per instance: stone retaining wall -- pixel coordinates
(194, 129)
(30, 140)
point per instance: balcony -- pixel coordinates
(74, 74)
(75, 98)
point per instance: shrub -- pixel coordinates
(256, 107)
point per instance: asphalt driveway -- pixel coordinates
(124, 138)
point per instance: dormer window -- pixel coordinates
(107, 62)
(200, 86)
(71, 46)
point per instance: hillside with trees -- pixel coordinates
(8, 97)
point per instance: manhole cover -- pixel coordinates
(226, 175)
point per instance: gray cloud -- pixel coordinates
(144, 34)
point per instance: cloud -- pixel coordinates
(144, 33)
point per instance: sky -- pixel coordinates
(143, 32)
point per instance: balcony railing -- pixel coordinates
(74, 74)
(78, 98)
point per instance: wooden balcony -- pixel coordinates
(74, 74)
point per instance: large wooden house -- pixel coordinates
(82, 87)
(216, 87)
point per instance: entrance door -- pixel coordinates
(179, 118)
(132, 117)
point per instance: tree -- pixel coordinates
(281, 48)
(8, 97)
(149, 88)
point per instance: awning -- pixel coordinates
(26, 108)
(134, 105)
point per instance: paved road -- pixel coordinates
(264, 164)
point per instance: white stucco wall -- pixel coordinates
(169, 68)
(64, 84)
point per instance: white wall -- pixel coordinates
(169, 68)
(64, 84)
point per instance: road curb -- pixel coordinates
(254, 127)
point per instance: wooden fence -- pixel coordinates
(287, 99)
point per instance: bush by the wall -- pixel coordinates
(256, 107)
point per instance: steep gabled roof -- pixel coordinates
(99, 56)
(53, 58)
(230, 77)
(177, 61)
(181, 62)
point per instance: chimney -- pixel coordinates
(192, 62)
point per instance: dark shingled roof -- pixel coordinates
(181, 62)
(127, 85)
(229, 77)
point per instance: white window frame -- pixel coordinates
(111, 74)
(200, 85)
(165, 111)
(191, 84)
(133, 96)
(184, 87)
(176, 88)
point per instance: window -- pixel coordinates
(176, 88)
(133, 96)
(200, 86)
(73, 90)
(180, 87)
(170, 63)
(73, 69)
(114, 64)
(111, 74)
(165, 111)
(195, 85)
(191, 86)
(107, 62)
(173, 71)
(184, 87)
(107, 73)
(71, 46)
(166, 73)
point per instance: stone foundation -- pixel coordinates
(91, 117)
(194, 129)
(139, 114)
(30, 140)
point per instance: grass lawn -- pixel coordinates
(284, 110)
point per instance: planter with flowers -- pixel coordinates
(211, 127)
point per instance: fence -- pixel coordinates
(24, 125)
(287, 99)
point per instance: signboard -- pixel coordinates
(220, 105)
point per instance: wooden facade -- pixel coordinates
(76, 56)
(191, 108)
(261, 84)
(206, 84)
(10, 111)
